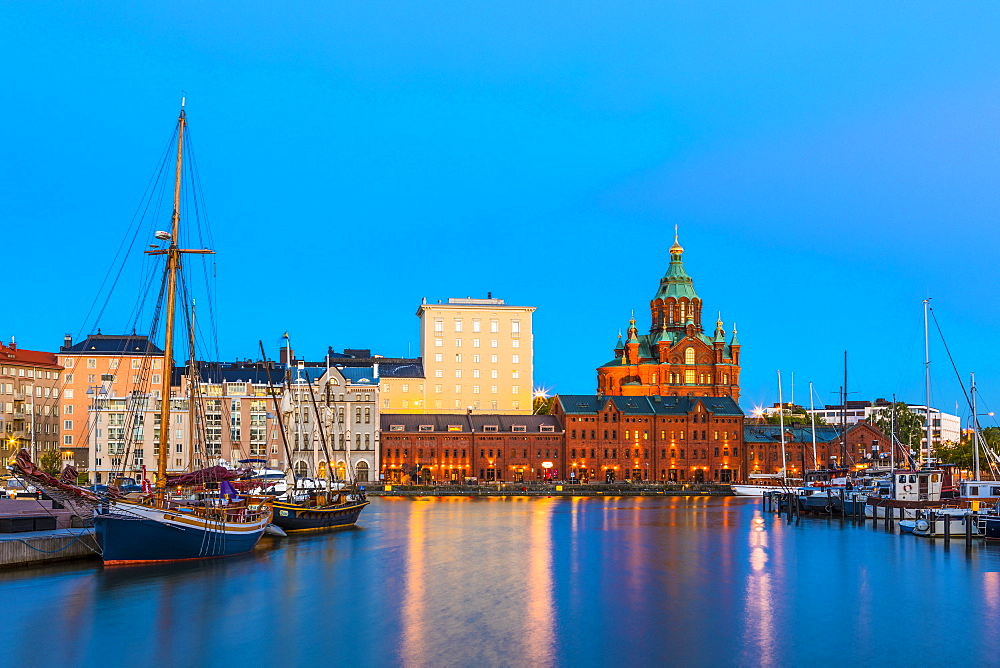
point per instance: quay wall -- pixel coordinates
(36, 547)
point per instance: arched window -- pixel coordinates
(301, 470)
(654, 378)
(361, 471)
(689, 356)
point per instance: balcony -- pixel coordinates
(19, 415)
(19, 396)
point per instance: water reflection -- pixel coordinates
(565, 582)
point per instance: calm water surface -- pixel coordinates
(692, 581)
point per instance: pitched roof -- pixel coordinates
(21, 356)
(648, 405)
(465, 423)
(113, 344)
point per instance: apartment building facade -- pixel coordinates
(476, 353)
(30, 386)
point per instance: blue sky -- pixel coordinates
(829, 166)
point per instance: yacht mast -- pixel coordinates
(781, 422)
(975, 431)
(927, 384)
(812, 413)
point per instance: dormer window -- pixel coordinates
(519, 428)
(395, 427)
(492, 428)
(426, 427)
(454, 427)
(547, 428)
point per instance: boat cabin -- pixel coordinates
(825, 478)
(979, 489)
(923, 485)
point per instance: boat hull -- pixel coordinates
(137, 534)
(291, 517)
(757, 490)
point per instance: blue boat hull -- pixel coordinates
(124, 539)
(292, 518)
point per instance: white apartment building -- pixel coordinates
(477, 354)
(945, 427)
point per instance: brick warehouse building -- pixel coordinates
(438, 448)
(676, 358)
(662, 439)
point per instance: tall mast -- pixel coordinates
(781, 422)
(173, 262)
(843, 412)
(191, 411)
(812, 413)
(975, 430)
(927, 383)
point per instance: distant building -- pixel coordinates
(866, 446)
(945, 427)
(677, 357)
(453, 447)
(334, 427)
(476, 353)
(30, 383)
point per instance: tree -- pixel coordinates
(51, 462)
(793, 414)
(962, 453)
(542, 405)
(909, 426)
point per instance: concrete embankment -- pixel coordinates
(35, 547)
(549, 490)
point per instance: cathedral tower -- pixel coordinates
(676, 358)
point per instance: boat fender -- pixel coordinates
(907, 488)
(274, 530)
(921, 525)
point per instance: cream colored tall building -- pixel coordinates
(476, 353)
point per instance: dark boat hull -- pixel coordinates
(296, 518)
(126, 539)
(990, 527)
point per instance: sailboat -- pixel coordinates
(162, 526)
(763, 483)
(336, 504)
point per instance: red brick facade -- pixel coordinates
(657, 439)
(454, 447)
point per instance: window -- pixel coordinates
(458, 358)
(515, 327)
(438, 373)
(515, 359)
(458, 389)
(426, 427)
(475, 343)
(406, 387)
(136, 364)
(689, 375)
(475, 373)
(439, 326)
(516, 343)
(67, 439)
(515, 374)
(689, 356)
(548, 428)
(438, 343)
(438, 389)
(458, 324)
(494, 326)
(475, 389)
(494, 358)
(67, 424)
(475, 324)
(458, 343)
(494, 343)
(493, 389)
(515, 389)
(519, 428)
(491, 428)
(438, 357)
(494, 373)
(458, 373)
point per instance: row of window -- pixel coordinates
(29, 373)
(477, 343)
(494, 373)
(515, 326)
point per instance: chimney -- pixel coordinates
(375, 371)
(283, 356)
(67, 341)
(489, 295)
(13, 343)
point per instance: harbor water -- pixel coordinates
(686, 581)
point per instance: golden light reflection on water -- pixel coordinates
(413, 633)
(540, 619)
(759, 609)
(991, 592)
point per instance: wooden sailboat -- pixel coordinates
(161, 527)
(336, 505)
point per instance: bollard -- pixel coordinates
(947, 528)
(968, 530)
